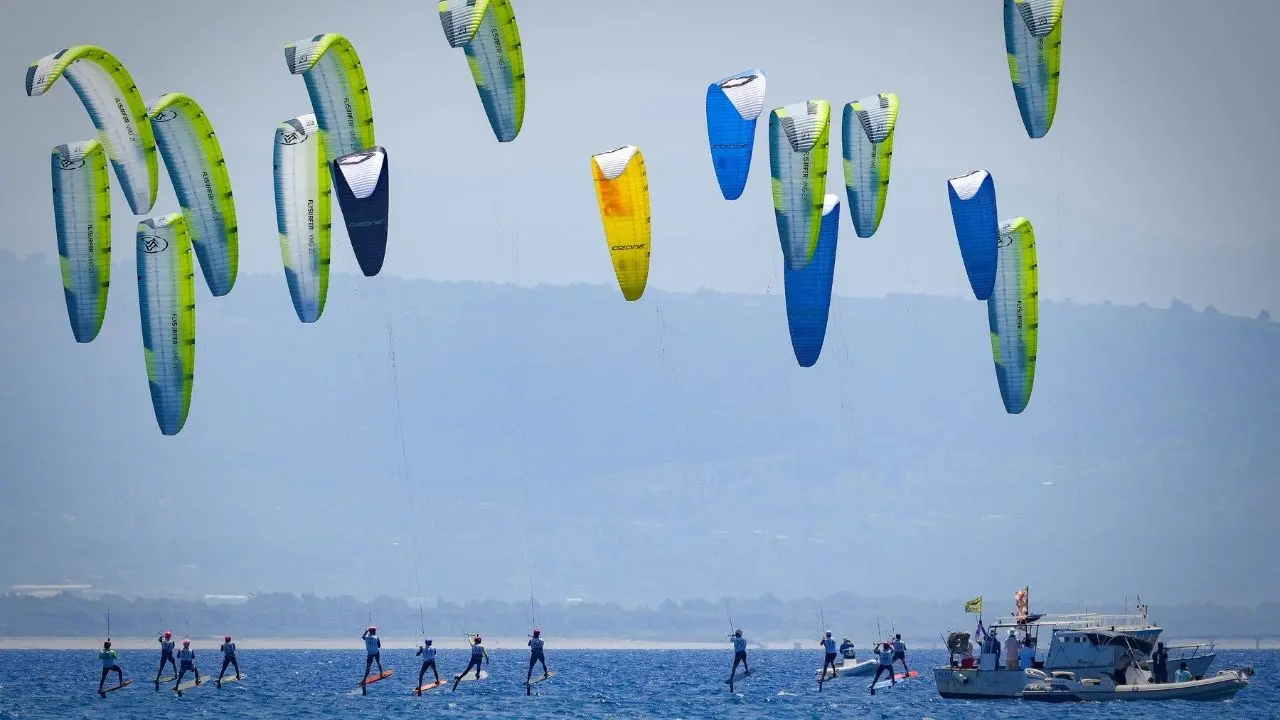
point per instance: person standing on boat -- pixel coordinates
(900, 652)
(1183, 674)
(846, 650)
(990, 649)
(1123, 660)
(828, 644)
(1027, 654)
(1160, 664)
(110, 662)
(1011, 650)
(885, 652)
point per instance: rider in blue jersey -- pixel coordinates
(186, 661)
(372, 649)
(739, 654)
(228, 658)
(478, 654)
(166, 655)
(829, 658)
(428, 653)
(535, 655)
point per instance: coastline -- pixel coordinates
(392, 642)
(400, 642)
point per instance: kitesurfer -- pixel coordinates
(535, 655)
(228, 658)
(829, 659)
(186, 661)
(900, 652)
(372, 649)
(166, 654)
(428, 653)
(885, 653)
(846, 650)
(478, 654)
(739, 655)
(110, 661)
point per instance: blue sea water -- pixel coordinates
(590, 684)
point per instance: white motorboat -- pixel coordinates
(847, 667)
(1086, 654)
(1064, 687)
(1085, 644)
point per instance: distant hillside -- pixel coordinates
(766, 619)
(634, 452)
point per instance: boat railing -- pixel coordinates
(1082, 621)
(1185, 651)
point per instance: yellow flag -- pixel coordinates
(974, 605)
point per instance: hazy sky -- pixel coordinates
(1157, 179)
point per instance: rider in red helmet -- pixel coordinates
(166, 656)
(478, 654)
(536, 656)
(186, 661)
(228, 658)
(372, 650)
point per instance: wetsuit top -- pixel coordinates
(186, 655)
(535, 644)
(886, 657)
(899, 646)
(428, 653)
(371, 644)
(477, 651)
(739, 643)
(108, 658)
(1182, 676)
(166, 646)
(229, 649)
(1160, 658)
(830, 645)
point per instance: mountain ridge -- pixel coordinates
(630, 450)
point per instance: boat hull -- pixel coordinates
(973, 684)
(1222, 686)
(850, 668)
(956, 683)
